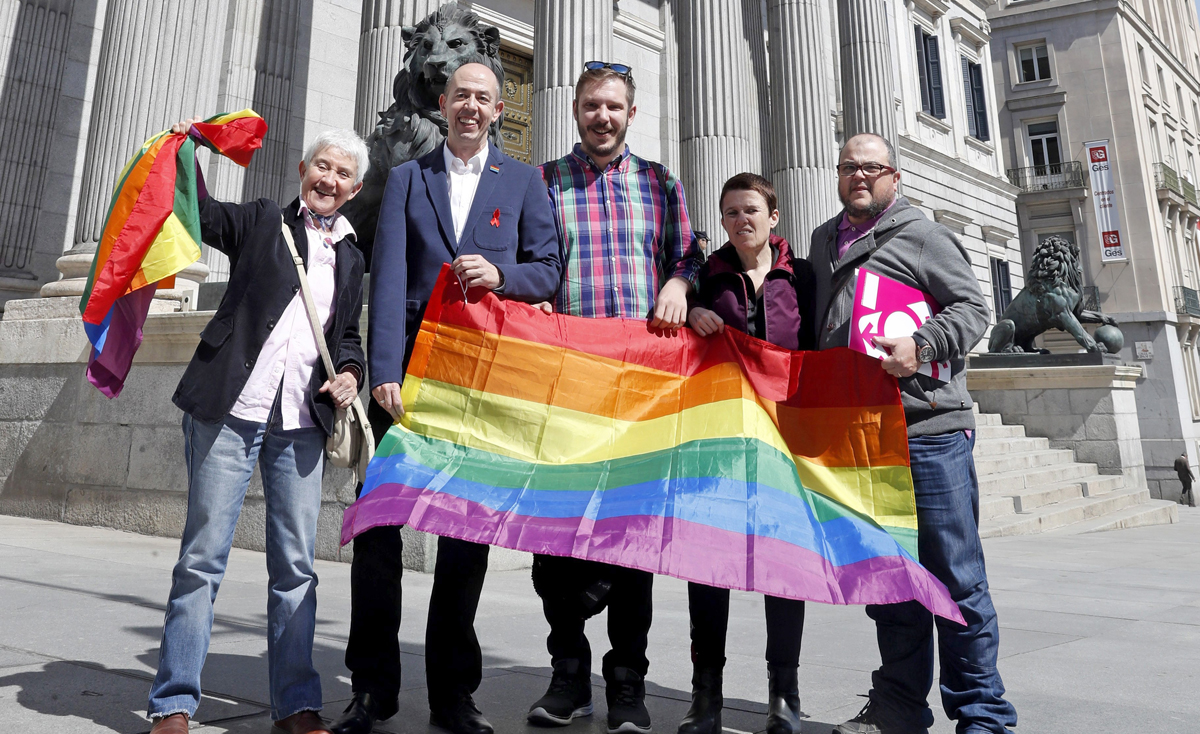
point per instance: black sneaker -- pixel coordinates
(568, 697)
(871, 721)
(626, 694)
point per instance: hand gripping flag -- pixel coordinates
(151, 233)
(726, 461)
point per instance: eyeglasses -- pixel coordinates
(622, 69)
(870, 170)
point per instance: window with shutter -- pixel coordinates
(979, 102)
(969, 95)
(922, 69)
(937, 104)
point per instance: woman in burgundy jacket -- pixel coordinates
(755, 285)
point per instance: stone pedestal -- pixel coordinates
(1088, 408)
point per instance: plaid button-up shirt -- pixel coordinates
(622, 235)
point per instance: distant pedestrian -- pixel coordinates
(1185, 478)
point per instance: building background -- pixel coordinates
(1074, 71)
(723, 86)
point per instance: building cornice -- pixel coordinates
(954, 167)
(1033, 101)
(639, 32)
(513, 32)
(968, 31)
(935, 8)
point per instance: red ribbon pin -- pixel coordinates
(496, 218)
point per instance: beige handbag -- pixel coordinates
(351, 444)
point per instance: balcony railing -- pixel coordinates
(1090, 300)
(1065, 175)
(1187, 301)
(1189, 192)
(1165, 177)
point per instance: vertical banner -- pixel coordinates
(1104, 196)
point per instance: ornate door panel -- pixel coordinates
(515, 132)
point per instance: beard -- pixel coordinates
(873, 209)
(617, 142)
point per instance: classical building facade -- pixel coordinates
(770, 86)
(1074, 74)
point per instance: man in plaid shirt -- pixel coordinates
(628, 252)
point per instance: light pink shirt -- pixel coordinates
(290, 352)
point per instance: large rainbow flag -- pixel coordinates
(151, 233)
(726, 461)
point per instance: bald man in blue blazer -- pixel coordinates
(488, 215)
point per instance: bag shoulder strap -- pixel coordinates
(660, 172)
(313, 320)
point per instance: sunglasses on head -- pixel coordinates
(622, 69)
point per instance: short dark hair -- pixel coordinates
(751, 182)
(596, 76)
(891, 150)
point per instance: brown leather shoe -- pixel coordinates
(173, 724)
(305, 722)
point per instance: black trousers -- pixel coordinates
(708, 607)
(453, 660)
(373, 650)
(630, 611)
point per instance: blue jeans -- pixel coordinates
(947, 493)
(220, 459)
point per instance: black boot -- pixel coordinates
(783, 707)
(704, 715)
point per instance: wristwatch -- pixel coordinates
(925, 353)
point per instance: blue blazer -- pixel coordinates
(415, 238)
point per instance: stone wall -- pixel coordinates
(1089, 409)
(69, 454)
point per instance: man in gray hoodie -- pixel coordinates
(885, 234)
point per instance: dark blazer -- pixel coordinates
(416, 237)
(786, 294)
(262, 281)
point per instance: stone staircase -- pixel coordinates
(1027, 487)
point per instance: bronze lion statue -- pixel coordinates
(413, 126)
(1052, 298)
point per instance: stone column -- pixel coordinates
(381, 54)
(754, 24)
(669, 70)
(718, 100)
(868, 100)
(803, 144)
(566, 33)
(141, 88)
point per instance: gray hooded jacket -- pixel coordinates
(905, 246)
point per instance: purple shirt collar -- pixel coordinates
(849, 233)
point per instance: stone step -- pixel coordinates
(993, 446)
(1061, 514)
(1010, 481)
(1151, 512)
(985, 433)
(995, 505)
(1023, 460)
(987, 419)
(1027, 500)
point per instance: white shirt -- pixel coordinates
(290, 353)
(462, 179)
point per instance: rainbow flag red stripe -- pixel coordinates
(726, 461)
(152, 232)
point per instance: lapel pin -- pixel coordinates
(495, 169)
(496, 218)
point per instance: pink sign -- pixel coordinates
(884, 307)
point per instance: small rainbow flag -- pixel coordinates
(726, 461)
(151, 233)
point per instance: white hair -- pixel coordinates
(348, 142)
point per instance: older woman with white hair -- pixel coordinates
(256, 392)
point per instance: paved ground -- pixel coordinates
(1101, 633)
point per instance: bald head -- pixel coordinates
(868, 139)
(475, 71)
